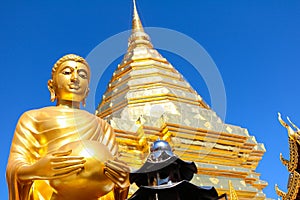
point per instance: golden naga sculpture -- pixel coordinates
(62, 152)
(293, 164)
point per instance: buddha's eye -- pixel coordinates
(83, 74)
(66, 71)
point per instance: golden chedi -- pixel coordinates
(63, 152)
(148, 99)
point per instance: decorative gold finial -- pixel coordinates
(296, 127)
(138, 36)
(291, 132)
(136, 22)
(232, 192)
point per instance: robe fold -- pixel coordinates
(44, 131)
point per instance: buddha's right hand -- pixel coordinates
(53, 166)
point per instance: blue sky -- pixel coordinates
(255, 45)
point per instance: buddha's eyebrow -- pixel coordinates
(67, 67)
(82, 69)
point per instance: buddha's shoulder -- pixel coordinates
(54, 111)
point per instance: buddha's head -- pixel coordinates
(70, 80)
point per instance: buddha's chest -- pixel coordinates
(60, 130)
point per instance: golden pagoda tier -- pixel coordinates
(148, 99)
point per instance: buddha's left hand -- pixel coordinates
(118, 172)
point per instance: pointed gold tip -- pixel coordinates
(138, 36)
(294, 125)
(283, 123)
(279, 115)
(136, 22)
(134, 6)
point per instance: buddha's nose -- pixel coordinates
(74, 77)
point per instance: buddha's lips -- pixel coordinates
(74, 86)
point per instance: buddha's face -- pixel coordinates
(71, 81)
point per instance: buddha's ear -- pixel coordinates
(51, 90)
(87, 91)
(84, 99)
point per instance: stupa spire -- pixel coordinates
(138, 36)
(136, 22)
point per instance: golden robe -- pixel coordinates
(43, 131)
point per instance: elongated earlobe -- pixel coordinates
(51, 90)
(86, 94)
(83, 102)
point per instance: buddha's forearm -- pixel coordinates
(25, 173)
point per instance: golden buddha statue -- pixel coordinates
(62, 152)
